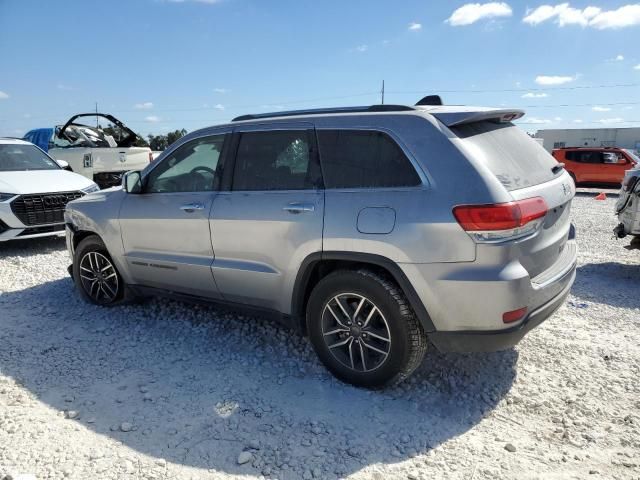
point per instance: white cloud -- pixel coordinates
(619, 58)
(535, 95)
(3, 96)
(362, 48)
(219, 107)
(152, 119)
(625, 16)
(637, 67)
(553, 79)
(537, 120)
(415, 26)
(473, 12)
(143, 106)
(221, 90)
(62, 86)
(601, 109)
(564, 14)
(611, 120)
(557, 119)
(577, 120)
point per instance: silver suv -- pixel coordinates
(372, 230)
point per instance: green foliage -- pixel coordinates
(161, 142)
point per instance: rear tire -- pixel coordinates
(363, 329)
(95, 274)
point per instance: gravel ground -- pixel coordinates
(167, 390)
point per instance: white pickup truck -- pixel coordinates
(101, 153)
(628, 206)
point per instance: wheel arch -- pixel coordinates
(79, 235)
(318, 265)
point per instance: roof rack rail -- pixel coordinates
(320, 111)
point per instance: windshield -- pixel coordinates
(513, 157)
(633, 156)
(18, 158)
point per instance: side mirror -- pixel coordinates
(64, 165)
(132, 182)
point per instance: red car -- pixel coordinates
(596, 164)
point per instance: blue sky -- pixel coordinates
(160, 64)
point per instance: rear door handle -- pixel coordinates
(299, 207)
(192, 207)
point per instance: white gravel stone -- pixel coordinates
(566, 396)
(244, 457)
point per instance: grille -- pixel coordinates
(42, 209)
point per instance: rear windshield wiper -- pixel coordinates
(557, 168)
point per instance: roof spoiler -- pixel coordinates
(454, 119)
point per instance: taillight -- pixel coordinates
(501, 221)
(150, 157)
(514, 315)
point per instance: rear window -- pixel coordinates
(512, 156)
(364, 159)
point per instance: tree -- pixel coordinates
(161, 142)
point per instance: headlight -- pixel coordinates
(6, 196)
(91, 189)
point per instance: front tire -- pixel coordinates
(95, 274)
(363, 329)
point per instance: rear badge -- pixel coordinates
(566, 189)
(123, 157)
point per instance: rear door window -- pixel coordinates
(276, 160)
(515, 159)
(364, 159)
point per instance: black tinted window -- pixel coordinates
(585, 156)
(360, 159)
(275, 160)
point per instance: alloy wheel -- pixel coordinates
(99, 277)
(356, 332)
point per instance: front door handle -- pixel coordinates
(299, 207)
(192, 207)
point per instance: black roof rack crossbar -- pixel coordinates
(320, 111)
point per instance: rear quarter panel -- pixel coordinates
(425, 229)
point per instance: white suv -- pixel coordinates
(34, 190)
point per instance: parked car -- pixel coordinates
(34, 190)
(596, 165)
(101, 154)
(628, 207)
(370, 229)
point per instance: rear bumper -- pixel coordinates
(496, 340)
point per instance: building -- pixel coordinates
(590, 137)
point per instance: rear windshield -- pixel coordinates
(633, 156)
(514, 158)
